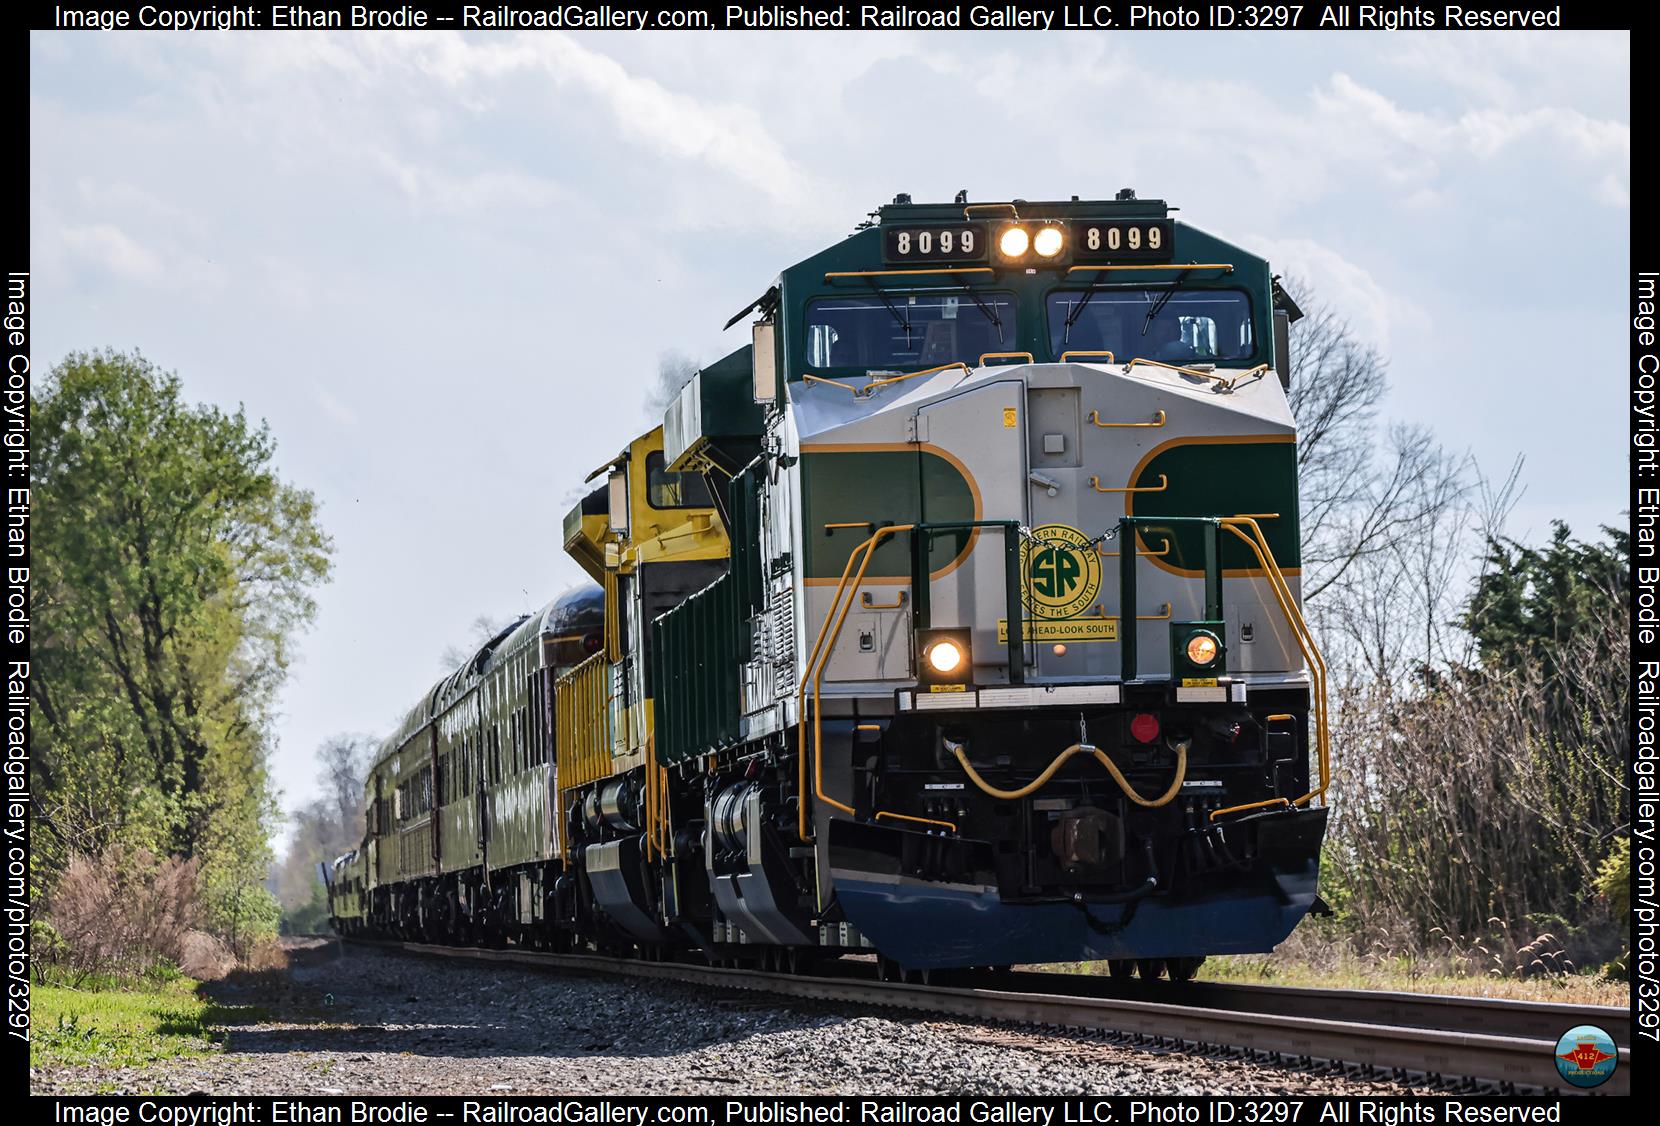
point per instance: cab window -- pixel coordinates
(1174, 326)
(883, 331)
(674, 490)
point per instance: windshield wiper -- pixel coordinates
(990, 313)
(1163, 300)
(1066, 330)
(901, 321)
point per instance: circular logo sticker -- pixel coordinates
(1062, 572)
(1586, 1056)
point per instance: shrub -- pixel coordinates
(123, 912)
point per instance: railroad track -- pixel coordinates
(1462, 1042)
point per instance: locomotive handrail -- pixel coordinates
(900, 273)
(825, 643)
(1246, 374)
(952, 825)
(984, 356)
(1095, 416)
(810, 378)
(1164, 615)
(1142, 361)
(1164, 483)
(1258, 544)
(869, 603)
(875, 383)
(814, 672)
(1159, 554)
(1111, 359)
(1013, 210)
(864, 392)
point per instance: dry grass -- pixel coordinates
(122, 912)
(1319, 955)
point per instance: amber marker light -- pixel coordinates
(1202, 649)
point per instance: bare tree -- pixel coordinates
(1360, 496)
(484, 627)
(328, 826)
(344, 762)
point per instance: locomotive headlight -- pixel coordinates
(1014, 242)
(1202, 649)
(943, 660)
(1048, 242)
(944, 657)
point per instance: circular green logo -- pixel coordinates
(1061, 572)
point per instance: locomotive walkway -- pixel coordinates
(1458, 1042)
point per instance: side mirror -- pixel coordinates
(1282, 346)
(764, 357)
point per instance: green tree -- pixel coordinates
(172, 565)
(1532, 602)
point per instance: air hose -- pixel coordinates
(1060, 759)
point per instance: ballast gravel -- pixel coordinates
(355, 1020)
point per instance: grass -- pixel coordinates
(1321, 955)
(125, 1023)
(1404, 975)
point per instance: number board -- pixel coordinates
(1112, 239)
(943, 242)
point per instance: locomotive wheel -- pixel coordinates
(1121, 968)
(888, 970)
(1150, 969)
(1183, 969)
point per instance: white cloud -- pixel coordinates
(1377, 314)
(111, 249)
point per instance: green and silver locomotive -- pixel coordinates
(956, 617)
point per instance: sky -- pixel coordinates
(445, 268)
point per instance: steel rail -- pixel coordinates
(1430, 1038)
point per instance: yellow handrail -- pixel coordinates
(1164, 483)
(899, 273)
(1111, 359)
(1163, 615)
(952, 825)
(809, 378)
(1246, 374)
(869, 603)
(1013, 210)
(1258, 544)
(1141, 361)
(1049, 772)
(1159, 554)
(1158, 420)
(984, 356)
(863, 392)
(815, 667)
(875, 383)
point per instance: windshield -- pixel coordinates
(908, 330)
(1175, 326)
